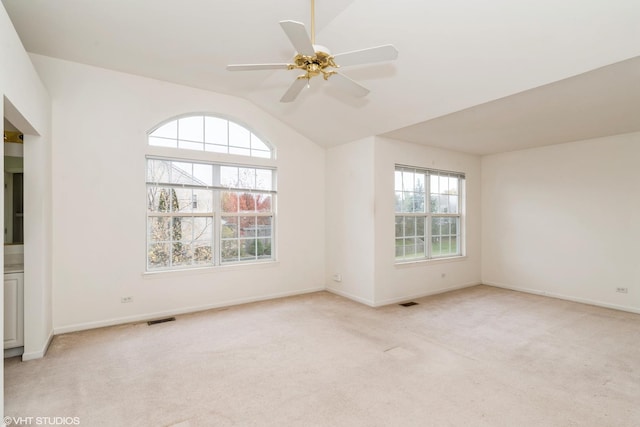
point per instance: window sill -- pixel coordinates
(425, 262)
(209, 269)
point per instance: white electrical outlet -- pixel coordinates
(622, 290)
(337, 277)
(125, 300)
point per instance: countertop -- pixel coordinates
(13, 268)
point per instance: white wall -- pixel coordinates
(563, 220)
(27, 106)
(101, 118)
(350, 196)
(395, 282)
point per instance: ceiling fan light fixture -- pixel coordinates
(315, 60)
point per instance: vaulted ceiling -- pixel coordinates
(478, 77)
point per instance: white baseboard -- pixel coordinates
(150, 316)
(425, 294)
(563, 297)
(40, 353)
(351, 297)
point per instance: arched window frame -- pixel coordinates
(246, 142)
(252, 212)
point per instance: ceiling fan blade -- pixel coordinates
(252, 67)
(366, 56)
(346, 84)
(294, 90)
(298, 36)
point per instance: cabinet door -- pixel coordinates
(13, 301)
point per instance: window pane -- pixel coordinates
(263, 227)
(263, 202)
(434, 182)
(435, 226)
(247, 177)
(191, 129)
(202, 228)
(248, 226)
(264, 179)
(453, 204)
(190, 145)
(239, 136)
(398, 181)
(247, 202)
(263, 248)
(407, 181)
(153, 199)
(399, 226)
(202, 252)
(229, 227)
(202, 201)
(161, 199)
(229, 176)
(182, 200)
(420, 247)
(262, 154)
(453, 185)
(410, 247)
(435, 246)
(181, 254)
(162, 142)
(248, 248)
(158, 229)
(215, 131)
(181, 173)
(418, 202)
(399, 248)
(420, 226)
(443, 204)
(257, 144)
(216, 148)
(202, 174)
(399, 203)
(454, 225)
(444, 227)
(240, 151)
(168, 130)
(158, 170)
(409, 226)
(453, 247)
(434, 206)
(230, 202)
(229, 250)
(182, 229)
(158, 255)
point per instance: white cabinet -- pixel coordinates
(13, 310)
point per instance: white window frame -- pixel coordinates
(264, 162)
(423, 210)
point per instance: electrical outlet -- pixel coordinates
(337, 277)
(125, 300)
(622, 290)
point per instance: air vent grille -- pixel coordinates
(166, 319)
(408, 304)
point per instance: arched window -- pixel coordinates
(211, 134)
(202, 213)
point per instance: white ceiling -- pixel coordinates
(478, 77)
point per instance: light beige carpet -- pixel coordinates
(476, 357)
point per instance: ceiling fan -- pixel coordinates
(315, 60)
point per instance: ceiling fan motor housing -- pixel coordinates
(316, 64)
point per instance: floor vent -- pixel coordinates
(408, 304)
(166, 319)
